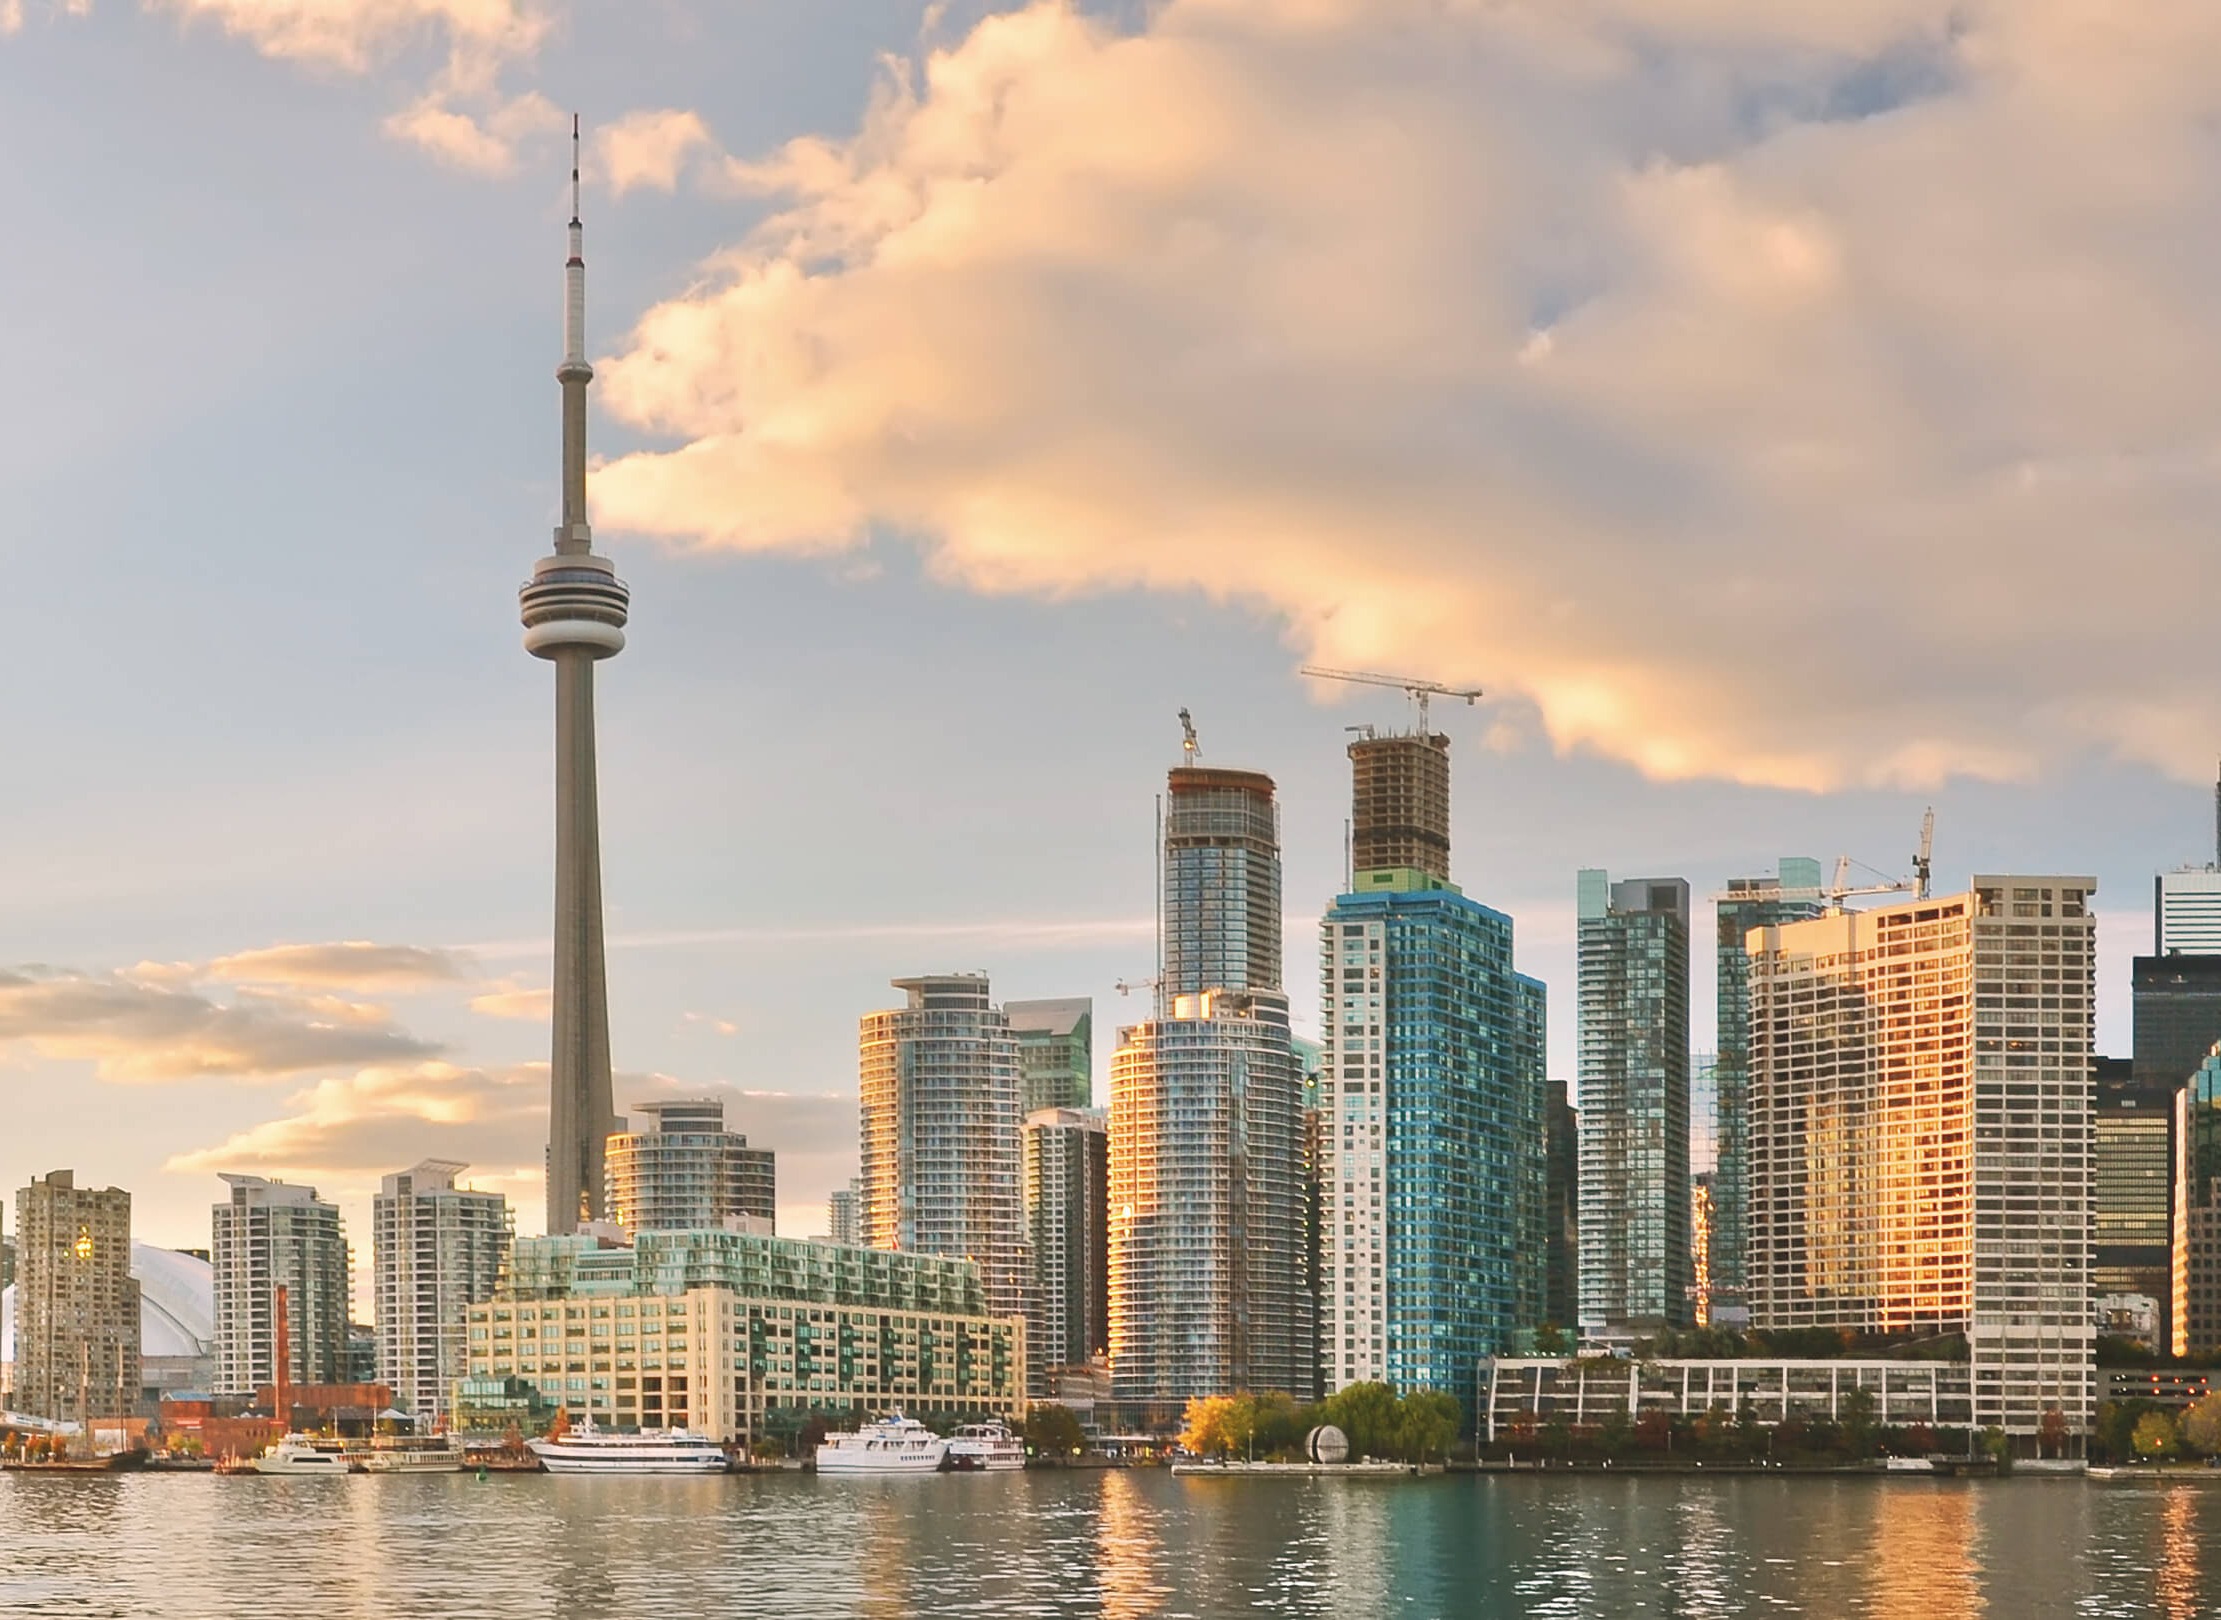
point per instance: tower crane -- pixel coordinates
(1417, 690)
(1833, 894)
(1190, 749)
(1924, 863)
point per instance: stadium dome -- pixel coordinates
(177, 1306)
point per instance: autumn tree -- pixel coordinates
(2154, 1438)
(2201, 1426)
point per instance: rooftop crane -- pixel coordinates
(1189, 747)
(1924, 863)
(1417, 690)
(1841, 889)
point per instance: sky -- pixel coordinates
(1792, 417)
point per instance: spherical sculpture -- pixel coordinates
(1327, 1444)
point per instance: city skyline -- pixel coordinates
(214, 804)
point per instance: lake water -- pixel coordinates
(1137, 1543)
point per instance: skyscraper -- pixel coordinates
(76, 1303)
(1056, 1051)
(942, 1154)
(2195, 1283)
(686, 1171)
(1920, 1143)
(2132, 1172)
(1206, 1188)
(2186, 912)
(268, 1235)
(1067, 1157)
(2177, 1005)
(1562, 1211)
(1633, 958)
(437, 1249)
(844, 1220)
(574, 611)
(1791, 895)
(1434, 1167)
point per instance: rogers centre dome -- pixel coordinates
(177, 1318)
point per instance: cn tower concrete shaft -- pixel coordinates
(574, 610)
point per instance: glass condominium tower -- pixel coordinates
(1206, 1190)
(1633, 953)
(1792, 895)
(1433, 1158)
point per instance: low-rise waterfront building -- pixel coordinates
(740, 1334)
(1518, 1391)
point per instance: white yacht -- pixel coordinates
(894, 1445)
(985, 1448)
(588, 1450)
(412, 1454)
(304, 1455)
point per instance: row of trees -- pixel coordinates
(1817, 1344)
(2145, 1431)
(1419, 1427)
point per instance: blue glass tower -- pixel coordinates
(1432, 1163)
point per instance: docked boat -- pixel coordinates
(985, 1448)
(412, 1454)
(304, 1455)
(588, 1450)
(894, 1445)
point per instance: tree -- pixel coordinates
(2154, 1436)
(1550, 1340)
(1859, 1428)
(2051, 1432)
(1367, 1413)
(2201, 1426)
(1427, 1425)
(1053, 1430)
(1216, 1425)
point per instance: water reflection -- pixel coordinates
(2175, 1582)
(1127, 1551)
(1921, 1563)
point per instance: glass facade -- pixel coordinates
(2132, 1190)
(1433, 1170)
(1633, 954)
(686, 1171)
(2197, 1236)
(1056, 1051)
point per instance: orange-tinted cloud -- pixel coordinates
(1800, 395)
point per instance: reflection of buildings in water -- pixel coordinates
(1128, 1551)
(1702, 1567)
(2175, 1580)
(1922, 1563)
(892, 1570)
(1353, 1547)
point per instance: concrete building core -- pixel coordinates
(1400, 806)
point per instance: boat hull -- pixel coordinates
(974, 1463)
(879, 1465)
(643, 1465)
(291, 1468)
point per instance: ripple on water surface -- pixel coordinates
(1123, 1544)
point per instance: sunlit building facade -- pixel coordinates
(77, 1305)
(942, 1160)
(686, 1171)
(1921, 1132)
(271, 1235)
(2195, 1272)
(435, 1248)
(1633, 956)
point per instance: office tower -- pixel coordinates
(2132, 1174)
(1792, 894)
(2177, 1005)
(1435, 1185)
(686, 1170)
(844, 1221)
(1561, 1210)
(1920, 1132)
(2186, 912)
(943, 1171)
(1206, 1187)
(574, 612)
(1400, 806)
(2195, 1253)
(1633, 955)
(268, 1235)
(437, 1249)
(1067, 1160)
(1056, 1051)
(1313, 1154)
(7, 1259)
(76, 1302)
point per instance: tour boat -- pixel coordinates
(895, 1445)
(588, 1450)
(413, 1454)
(985, 1448)
(304, 1455)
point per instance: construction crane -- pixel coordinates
(1189, 747)
(1127, 987)
(1842, 888)
(1417, 690)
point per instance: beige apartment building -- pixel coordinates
(76, 1302)
(1920, 1132)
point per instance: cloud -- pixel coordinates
(1803, 395)
(651, 148)
(346, 964)
(515, 1001)
(387, 1117)
(1032, 933)
(134, 1031)
(354, 34)
(483, 144)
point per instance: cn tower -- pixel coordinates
(574, 613)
